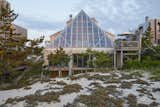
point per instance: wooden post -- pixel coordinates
(60, 73)
(139, 56)
(140, 47)
(121, 58)
(70, 65)
(41, 76)
(82, 61)
(89, 61)
(77, 61)
(115, 60)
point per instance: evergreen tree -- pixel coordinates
(150, 51)
(146, 40)
(13, 50)
(99, 59)
(59, 59)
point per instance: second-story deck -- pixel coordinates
(127, 45)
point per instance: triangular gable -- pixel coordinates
(82, 32)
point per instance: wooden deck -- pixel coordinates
(64, 72)
(125, 48)
(67, 69)
(127, 45)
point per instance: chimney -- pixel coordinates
(146, 19)
(70, 16)
(70, 19)
(94, 20)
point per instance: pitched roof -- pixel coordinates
(82, 32)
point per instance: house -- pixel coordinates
(80, 33)
(18, 30)
(154, 24)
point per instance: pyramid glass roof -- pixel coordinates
(82, 32)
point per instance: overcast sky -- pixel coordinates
(45, 17)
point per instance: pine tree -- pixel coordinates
(13, 49)
(147, 47)
(7, 43)
(146, 40)
(59, 59)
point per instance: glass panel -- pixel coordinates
(82, 29)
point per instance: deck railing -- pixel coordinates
(127, 45)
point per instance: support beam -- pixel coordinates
(89, 60)
(77, 61)
(140, 47)
(121, 59)
(71, 65)
(82, 61)
(139, 55)
(115, 60)
(60, 73)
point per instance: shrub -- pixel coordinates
(153, 66)
(132, 64)
(71, 88)
(99, 98)
(127, 85)
(32, 100)
(132, 100)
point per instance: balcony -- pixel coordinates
(127, 45)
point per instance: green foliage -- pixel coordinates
(7, 16)
(59, 59)
(147, 64)
(146, 39)
(99, 59)
(13, 49)
(150, 56)
(35, 68)
(144, 64)
(132, 64)
(155, 74)
(153, 53)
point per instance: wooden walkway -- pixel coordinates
(64, 72)
(67, 69)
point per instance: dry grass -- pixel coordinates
(71, 88)
(99, 77)
(95, 84)
(140, 81)
(132, 100)
(111, 90)
(75, 105)
(153, 104)
(113, 80)
(32, 100)
(99, 98)
(136, 74)
(125, 85)
(156, 89)
(142, 105)
(80, 76)
(60, 83)
(126, 76)
(27, 88)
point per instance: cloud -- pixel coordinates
(120, 15)
(36, 23)
(37, 27)
(116, 16)
(37, 33)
